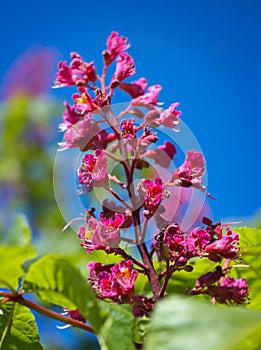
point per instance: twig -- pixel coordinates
(117, 181)
(120, 199)
(18, 298)
(125, 255)
(112, 156)
(145, 225)
(166, 280)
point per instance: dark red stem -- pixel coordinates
(18, 298)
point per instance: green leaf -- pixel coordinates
(11, 259)
(56, 280)
(116, 331)
(185, 324)
(250, 245)
(18, 330)
(20, 232)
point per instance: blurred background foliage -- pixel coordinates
(26, 153)
(29, 118)
(28, 133)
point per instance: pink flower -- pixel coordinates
(102, 139)
(115, 222)
(75, 314)
(86, 235)
(171, 244)
(230, 291)
(148, 137)
(153, 192)
(106, 231)
(196, 242)
(163, 154)
(113, 281)
(208, 279)
(83, 102)
(239, 288)
(191, 171)
(176, 244)
(101, 280)
(125, 276)
(115, 45)
(135, 89)
(102, 98)
(152, 118)
(65, 76)
(149, 98)
(225, 246)
(80, 134)
(86, 71)
(93, 171)
(170, 117)
(70, 117)
(101, 234)
(78, 73)
(128, 129)
(124, 69)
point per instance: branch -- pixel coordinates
(145, 226)
(112, 156)
(129, 240)
(18, 298)
(123, 113)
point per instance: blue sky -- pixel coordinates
(205, 54)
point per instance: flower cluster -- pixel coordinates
(130, 139)
(93, 171)
(153, 192)
(214, 242)
(228, 290)
(113, 281)
(77, 73)
(101, 234)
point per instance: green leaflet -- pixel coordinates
(54, 279)
(16, 251)
(11, 259)
(185, 324)
(116, 330)
(18, 330)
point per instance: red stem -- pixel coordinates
(102, 79)
(146, 258)
(115, 194)
(166, 280)
(18, 298)
(129, 257)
